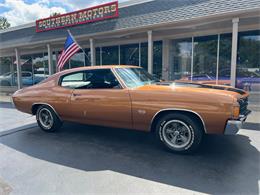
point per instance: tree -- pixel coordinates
(4, 24)
(55, 14)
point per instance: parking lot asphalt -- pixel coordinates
(81, 159)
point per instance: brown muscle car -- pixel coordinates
(178, 113)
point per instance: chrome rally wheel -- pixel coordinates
(46, 118)
(178, 132)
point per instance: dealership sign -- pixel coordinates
(97, 13)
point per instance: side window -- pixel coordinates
(74, 80)
(102, 79)
(91, 79)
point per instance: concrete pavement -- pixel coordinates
(12, 120)
(83, 159)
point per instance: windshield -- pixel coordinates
(135, 77)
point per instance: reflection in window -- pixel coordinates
(55, 59)
(181, 59)
(129, 54)
(98, 56)
(205, 58)
(87, 57)
(157, 58)
(40, 66)
(7, 71)
(27, 66)
(110, 55)
(135, 77)
(144, 56)
(225, 46)
(248, 62)
(77, 60)
(34, 68)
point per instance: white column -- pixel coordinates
(166, 59)
(100, 56)
(119, 55)
(192, 57)
(140, 55)
(50, 59)
(92, 52)
(19, 69)
(150, 52)
(234, 51)
(57, 59)
(217, 71)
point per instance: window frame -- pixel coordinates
(76, 72)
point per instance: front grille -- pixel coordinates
(243, 102)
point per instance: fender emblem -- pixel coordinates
(141, 111)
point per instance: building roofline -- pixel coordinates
(32, 24)
(150, 27)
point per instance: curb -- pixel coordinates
(22, 128)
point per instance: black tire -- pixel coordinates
(168, 137)
(54, 126)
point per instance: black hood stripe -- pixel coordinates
(197, 85)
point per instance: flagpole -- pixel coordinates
(78, 44)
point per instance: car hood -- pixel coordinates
(188, 87)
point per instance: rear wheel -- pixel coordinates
(179, 132)
(47, 119)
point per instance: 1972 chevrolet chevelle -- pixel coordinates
(128, 97)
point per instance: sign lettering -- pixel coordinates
(101, 12)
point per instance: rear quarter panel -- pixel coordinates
(47, 93)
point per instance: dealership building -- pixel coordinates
(212, 40)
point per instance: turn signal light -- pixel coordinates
(236, 111)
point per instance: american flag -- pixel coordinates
(70, 48)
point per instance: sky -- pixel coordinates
(20, 12)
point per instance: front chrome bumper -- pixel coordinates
(233, 126)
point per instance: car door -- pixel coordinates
(99, 99)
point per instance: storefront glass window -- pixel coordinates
(129, 54)
(40, 67)
(55, 57)
(8, 72)
(225, 46)
(205, 58)
(34, 68)
(27, 70)
(77, 60)
(180, 59)
(248, 62)
(110, 55)
(144, 56)
(98, 58)
(205, 54)
(87, 57)
(157, 59)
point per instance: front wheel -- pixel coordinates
(47, 119)
(179, 132)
